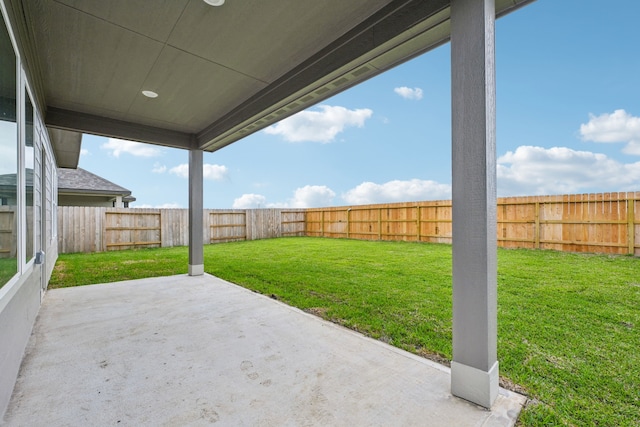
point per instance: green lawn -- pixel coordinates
(569, 324)
(8, 269)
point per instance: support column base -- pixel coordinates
(196, 270)
(475, 385)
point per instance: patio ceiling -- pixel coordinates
(221, 73)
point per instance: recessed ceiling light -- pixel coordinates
(214, 2)
(149, 94)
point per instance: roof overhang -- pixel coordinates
(221, 73)
(66, 146)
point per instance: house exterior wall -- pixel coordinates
(17, 316)
(32, 226)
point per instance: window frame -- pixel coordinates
(23, 90)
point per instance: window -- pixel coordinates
(29, 177)
(8, 159)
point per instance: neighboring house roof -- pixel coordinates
(80, 181)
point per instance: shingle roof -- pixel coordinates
(82, 181)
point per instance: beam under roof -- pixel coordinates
(66, 120)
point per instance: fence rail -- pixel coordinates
(606, 223)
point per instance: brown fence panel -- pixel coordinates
(436, 222)
(550, 212)
(634, 225)
(399, 223)
(365, 223)
(517, 223)
(314, 223)
(605, 223)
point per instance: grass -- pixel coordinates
(8, 269)
(569, 324)
(105, 267)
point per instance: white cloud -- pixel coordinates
(618, 126)
(158, 168)
(397, 191)
(181, 170)
(84, 152)
(309, 196)
(633, 148)
(560, 170)
(319, 126)
(209, 171)
(250, 201)
(215, 172)
(409, 93)
(312, 196)
(119, 146)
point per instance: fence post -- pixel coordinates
(322, 224)
(247, 230)
(631, 226)
(537, 226)
(160, 226)
(418, 222)
(379, 223)
(348, 221)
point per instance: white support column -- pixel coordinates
(474, 370)
(196, 248)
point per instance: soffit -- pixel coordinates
(221, 72)
(66, 146)
(97, 57)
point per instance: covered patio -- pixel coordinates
(198, 77)
(196, 350)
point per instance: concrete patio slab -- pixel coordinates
(190, 351)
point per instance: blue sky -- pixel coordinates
(568, 121)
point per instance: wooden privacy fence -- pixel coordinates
(606, 223)
(98, 229)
